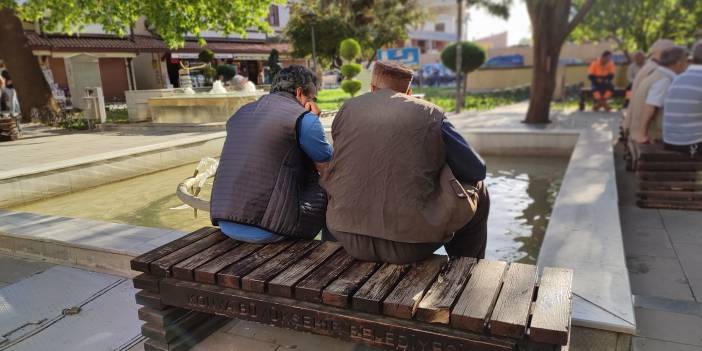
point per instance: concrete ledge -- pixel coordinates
(96, 245)
(33, 183)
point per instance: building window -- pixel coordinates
(273, 16)
(439, 27)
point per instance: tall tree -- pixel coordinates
(374, 23)
(172, 20)
(637, 24)
(552, 22)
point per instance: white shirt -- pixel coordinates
(659, 90)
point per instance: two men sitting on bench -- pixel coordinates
(394, 185)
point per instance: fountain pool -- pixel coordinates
(522, 192)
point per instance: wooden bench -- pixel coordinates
(586, 95)
(191, 286)
(667, 179)
(8, 129)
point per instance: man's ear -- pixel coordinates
(409, 91)
(298, 92)
(373, 88)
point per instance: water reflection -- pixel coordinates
(522, 192)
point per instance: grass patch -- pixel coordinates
(332, 99)
(117, 115)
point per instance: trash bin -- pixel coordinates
(94, 104)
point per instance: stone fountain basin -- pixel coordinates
(198, 108)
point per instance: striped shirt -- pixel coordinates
(682, 114)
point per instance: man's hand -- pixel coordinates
(312, 107)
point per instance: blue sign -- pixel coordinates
(407, 56)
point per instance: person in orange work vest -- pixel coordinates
(601, 74)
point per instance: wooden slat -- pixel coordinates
(550, 321)
(338, 293)
(149, 299)
(435, 307)
(146, 282)
(673, 195)
(231, 275)
(669, 186)
(282, 284)
(475, 304)
(310, 288)
(370, 296)
(669, 166)
(188, 338)
(207, 273)
(512, 307)
(162, 266)
(257, 279)
(656, 152)
(168, 333)
(403, 300)
(141, 263)
(184, 269)
(670, 176)
(160, 318)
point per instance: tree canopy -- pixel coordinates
(472, 56)
(373, 23)
(637, 24)
(172, 19)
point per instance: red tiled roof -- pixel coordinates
(143, 43)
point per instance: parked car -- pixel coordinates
(434, 74)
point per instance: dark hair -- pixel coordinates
(292, 77)
(606, 53)
(673, 55)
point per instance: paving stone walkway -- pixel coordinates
(40, 145)
(664, 257)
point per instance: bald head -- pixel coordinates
(393, 76)
(659, 46)
(697, 53)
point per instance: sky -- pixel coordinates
(481, 24)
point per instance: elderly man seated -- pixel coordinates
(647, 103)
(266, 187)
(394, 183)
(682, 115)
(601, 74)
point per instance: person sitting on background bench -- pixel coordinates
(646, 124)
(682, 115)
(601, 74)
(266, 187)
(393, 196)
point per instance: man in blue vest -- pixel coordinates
(266, 187)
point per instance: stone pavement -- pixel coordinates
(40, 145)
(664, 257)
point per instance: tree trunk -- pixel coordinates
(547, 50)
(33, 91)
(551, 27)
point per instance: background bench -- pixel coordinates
(668, 179)
(586, 95)
(192, 285)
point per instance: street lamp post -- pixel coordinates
(311, 16)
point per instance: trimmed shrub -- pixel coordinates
(350, 70)
(226, 71)
(351, 86)
(349, 49)
(472, 56)
(206, 56)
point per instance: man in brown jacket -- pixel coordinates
(394, 182)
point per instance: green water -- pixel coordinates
(522, 192)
